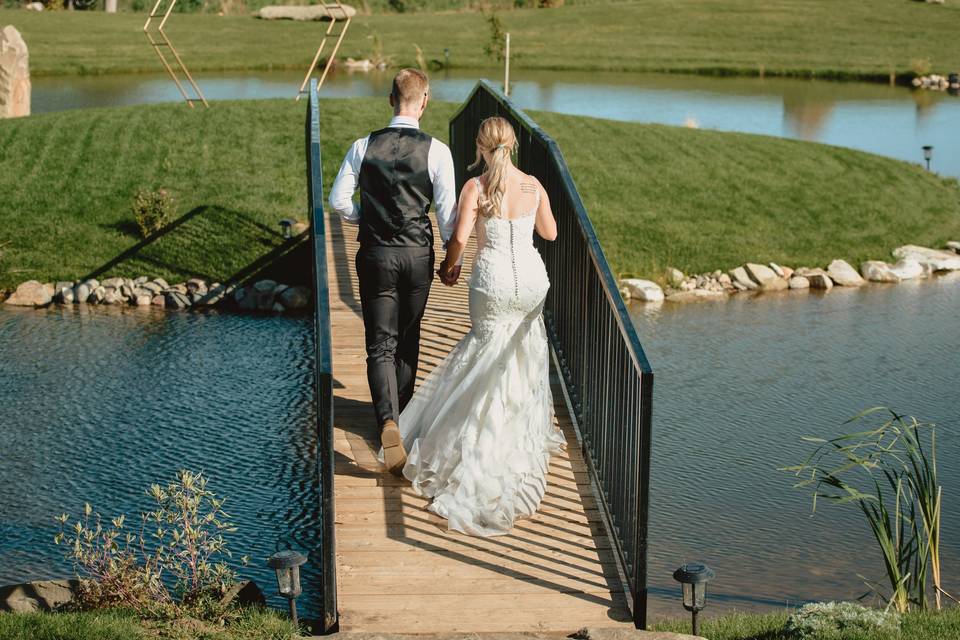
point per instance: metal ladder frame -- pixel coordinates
(165, 42)
(345, 22)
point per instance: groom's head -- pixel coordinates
(410, 93)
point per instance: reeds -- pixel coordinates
(890, 473)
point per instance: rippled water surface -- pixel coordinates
(97, 405)
(738, 384)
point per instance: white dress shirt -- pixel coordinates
(439, 164)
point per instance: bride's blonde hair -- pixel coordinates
(497, 137)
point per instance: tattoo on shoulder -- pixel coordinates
(528, 187)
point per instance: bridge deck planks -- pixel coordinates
(398, 568)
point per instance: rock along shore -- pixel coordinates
(262, 295)
(912, 262)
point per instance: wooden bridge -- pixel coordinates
(389, 565)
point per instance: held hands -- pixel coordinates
(449, 274)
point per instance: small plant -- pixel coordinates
(496, 45)
(841, 621)
(921, 66)
(173, 560)
(890, 473)
(377, 56)
(397, 5)
(421, 59)
(152, 210)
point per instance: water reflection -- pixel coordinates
(891, 121)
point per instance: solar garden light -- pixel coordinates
(287, 566)
(287, 225)
(927, 154)
(694, 577)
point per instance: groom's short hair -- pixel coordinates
(410, 86)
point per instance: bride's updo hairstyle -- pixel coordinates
(497, 138)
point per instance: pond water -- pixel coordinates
(891, 121)
(739, 383)
(98, 403)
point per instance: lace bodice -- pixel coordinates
(509, 278)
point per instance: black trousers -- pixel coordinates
(394, 285)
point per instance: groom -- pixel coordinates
(399, 170)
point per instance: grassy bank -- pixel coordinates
(914, 626)
(816, 38)
(696, 200)
(118, 625)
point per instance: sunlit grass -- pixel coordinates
(659, 196)
(822, 38)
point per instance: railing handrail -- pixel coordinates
(610, 287)
(324, 364)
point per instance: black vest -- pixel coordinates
(396, 190)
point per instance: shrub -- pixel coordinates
(180, 542)
(152, 210)
(841, 621)
(496, 45)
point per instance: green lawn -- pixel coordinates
(823, 38)
(696, 200)
(914, 626)
(253, 624)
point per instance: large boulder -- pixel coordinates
(907, 269)
(776, 284)
(818, 278)
(741, 277)
(644, 290)
(935, 259)
(245, 593)
(954, 245)
(845, 275)
(294, 298)
(14, 74)
(695, 295)
(43, 595)
(306, 12)
(878, 271)
(760, 273)
(31, 294)
(799, 282)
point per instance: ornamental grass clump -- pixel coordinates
(842, 621)
(890, 473)
(172, 562)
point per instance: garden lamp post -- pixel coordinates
(287, 225)
(287, 566)
(694, 577)
(927, 154)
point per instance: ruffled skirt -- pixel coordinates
(479, 432)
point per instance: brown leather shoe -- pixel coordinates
(394, 455)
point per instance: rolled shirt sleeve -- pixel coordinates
(345, 185)
(440, 162)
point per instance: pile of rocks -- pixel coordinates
(935, 82)
(264, 295)
(912, 262)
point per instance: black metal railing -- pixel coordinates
(605, 372)
(324, 365)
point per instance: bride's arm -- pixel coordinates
(466, 219)
(545, 225)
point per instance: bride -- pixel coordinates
(479, 431)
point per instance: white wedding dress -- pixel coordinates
(479, 431)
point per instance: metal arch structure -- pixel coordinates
(338, 16)
(163, 42)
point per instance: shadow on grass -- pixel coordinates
(217, 244)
